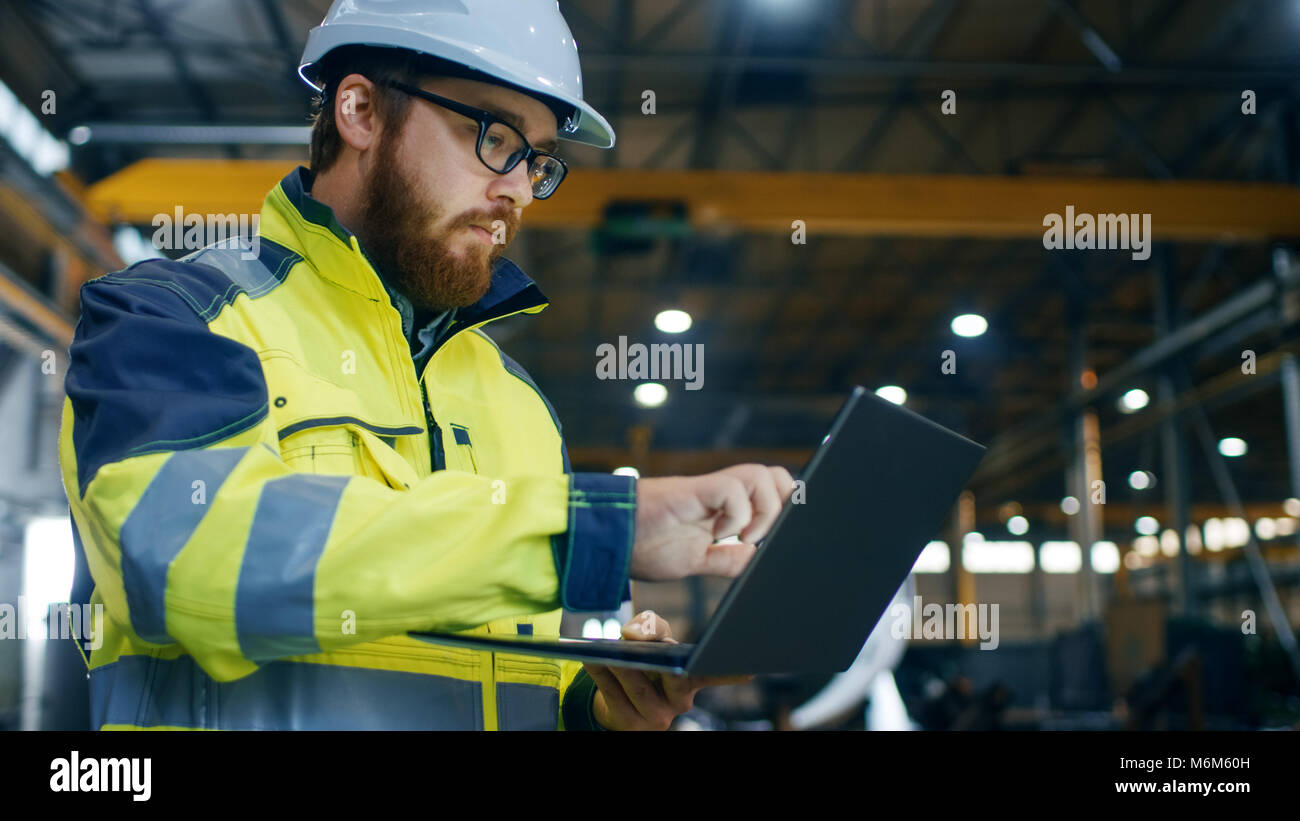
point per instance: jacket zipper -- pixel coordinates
(437, 457)
(439, 462)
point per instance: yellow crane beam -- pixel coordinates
(828, 204)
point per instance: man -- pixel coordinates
(278, 466)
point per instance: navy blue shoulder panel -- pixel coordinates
(146, 374)
(242, 268)
(210, 279)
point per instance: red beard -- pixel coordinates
(394, 231)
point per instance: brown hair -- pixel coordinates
(381, 66)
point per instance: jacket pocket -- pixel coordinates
(515, 669)
(348, 449)
(408, 655)
(400, 683)
(464, 446)
(377, 458)
(326, 449)
(527, 693)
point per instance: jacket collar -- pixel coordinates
(292, 217)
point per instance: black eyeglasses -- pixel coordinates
(500, 146)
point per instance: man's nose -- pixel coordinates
(516, 186)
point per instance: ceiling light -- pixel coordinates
(1134, 400)
(650, 394)
(1105, 557)
(1060, 557)
(1265, 528)
(1232, 446)
(933, 559)
(969, 325)
(893, 393)
(673, 321)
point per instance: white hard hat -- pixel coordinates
(522, 43)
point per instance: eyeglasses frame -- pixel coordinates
(486, 120)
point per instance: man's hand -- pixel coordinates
(628, 699)
(679, 518)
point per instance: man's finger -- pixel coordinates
(646, 697)
(615, 699)
(648, 626)
(727, 494)
(726, 559)
(767, 504)
(680, 691)
(784, 482)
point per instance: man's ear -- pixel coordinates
(354, 112)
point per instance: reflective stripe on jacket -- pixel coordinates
(267, 504)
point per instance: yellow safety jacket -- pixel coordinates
(269, 496)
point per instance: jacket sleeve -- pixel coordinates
(198, 534)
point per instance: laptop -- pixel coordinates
(875, 492)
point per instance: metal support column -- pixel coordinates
(963, 583)
(1086, 527)
(1090, 514)
(1172, 443)
(1291, 408)
(1288, 273)
(1254, 559)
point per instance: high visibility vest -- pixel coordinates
(269, 496)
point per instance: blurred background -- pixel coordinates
(821, 194)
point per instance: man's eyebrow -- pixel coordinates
(549, 146)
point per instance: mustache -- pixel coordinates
(489, 216)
